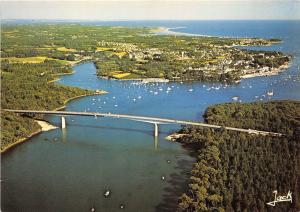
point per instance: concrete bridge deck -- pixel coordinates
(147, 119)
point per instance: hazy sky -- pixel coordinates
(151, 10)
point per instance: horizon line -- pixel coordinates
(51, 19)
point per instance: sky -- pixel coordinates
(152, 10)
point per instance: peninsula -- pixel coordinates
(233, 170)
(138, 53)
(33, 56)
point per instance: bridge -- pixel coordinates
(153, 120)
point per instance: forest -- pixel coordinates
(29, 86)
(239, 172)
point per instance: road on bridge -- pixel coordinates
(147, 119)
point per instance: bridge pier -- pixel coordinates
(63, 122)
(155, 143)
(155, 129)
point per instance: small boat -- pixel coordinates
(235, 98)
(168, 89)
(270, 93)
(155, 93)
(106, 193)
(191, 90)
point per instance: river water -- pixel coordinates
(69, 170)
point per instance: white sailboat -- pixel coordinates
(270, 93)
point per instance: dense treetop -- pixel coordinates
(239, 171)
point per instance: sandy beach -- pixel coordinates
(175, 136)
(46, 126)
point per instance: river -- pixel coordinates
(69, 170)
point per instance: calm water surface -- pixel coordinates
(69, 170)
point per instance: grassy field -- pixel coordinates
(40, 59)
(25, 59)
(120, 54)
(121, 75)
(103, 49)
(64, 49)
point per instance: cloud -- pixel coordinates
(151, 10)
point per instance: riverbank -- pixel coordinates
(45, 126)
(80, 96)
(21, 140)
(260, 73)
(175, 136)
(224, 152)
(61, 74)
(276, 71)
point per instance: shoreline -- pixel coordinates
(76, 97)
(19, 141)
(60, 74)
(276, 71)
(162, 30)
(168, 31)
(174, 136)
(44, 125)
(47, 126)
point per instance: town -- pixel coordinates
(145, 54)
